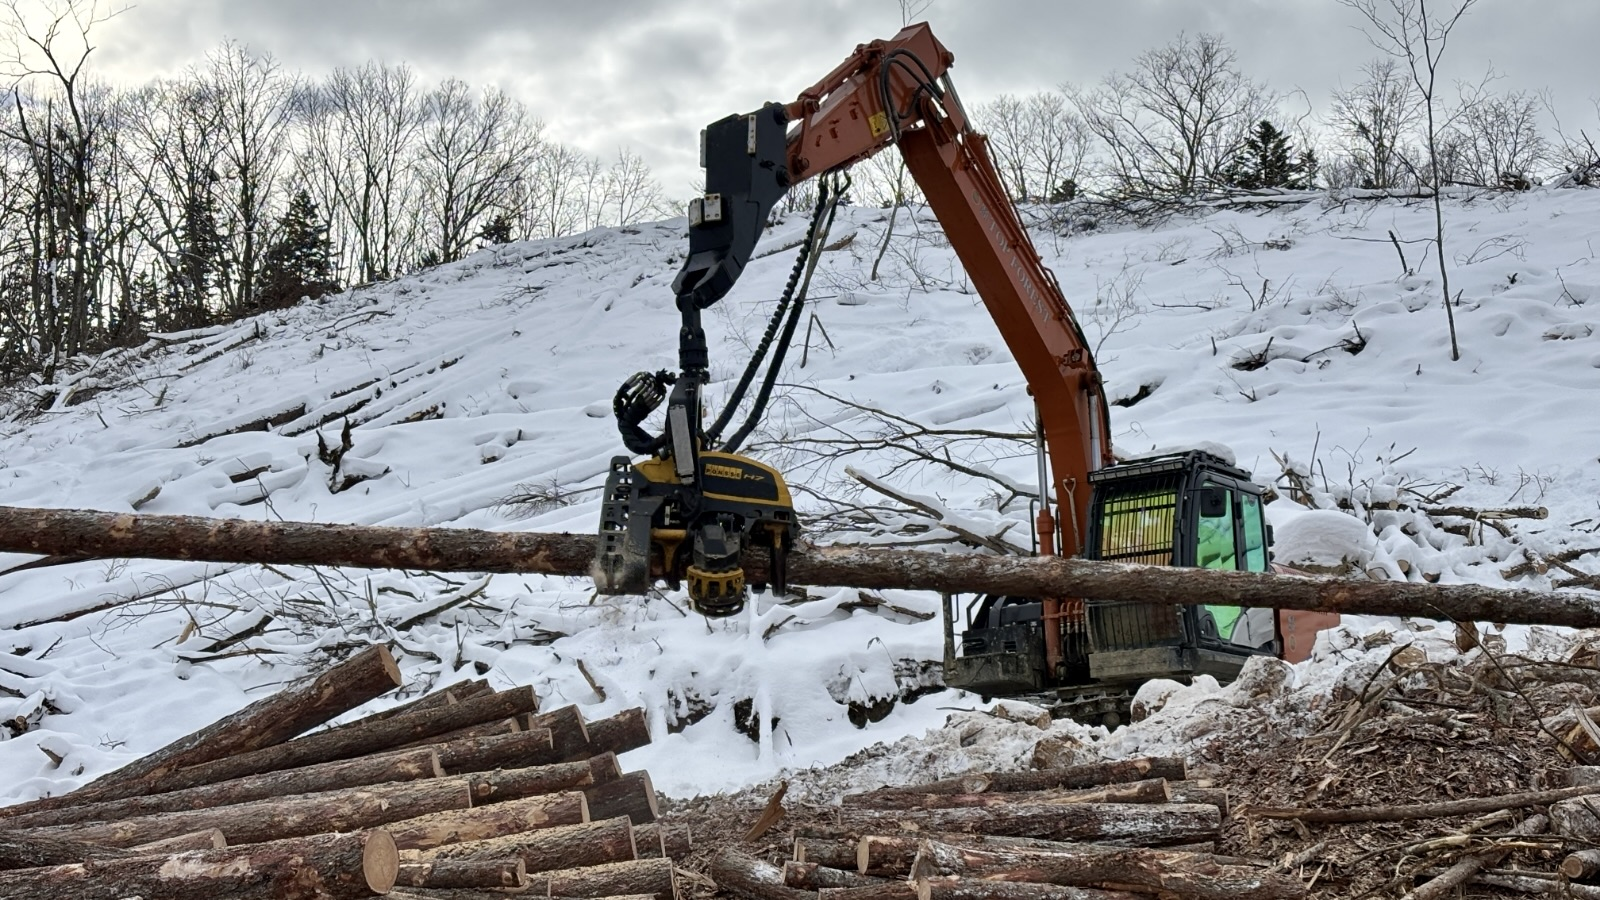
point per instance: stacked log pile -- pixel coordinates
(1095, 832)
(467, 792)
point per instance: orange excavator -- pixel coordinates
(694, 504)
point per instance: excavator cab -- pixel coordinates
(1181, 509)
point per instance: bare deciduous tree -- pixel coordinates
(1039, 142)
(1173, 125)
(1499, 138)
(1372, 121)
(469, 153)
(1407, 31)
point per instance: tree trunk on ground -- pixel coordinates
(1147, 824)
(408, 766)
(1123, 771)
(952, 888)
(745, 876)
(436, 700)
(462, 874)
(1192, 876)
(810, 876)
(632, 795)
(321, 867)
(29, 851)
(656, 839)
(568, 847)
(619, 733)
(892, 856)
(514, 784)
(345, 744)
(1581, 865)
(283, 817)
(504, 751)
(1151, 790)
(91, 534)
(265, 723)
(513, 817)
(1188, 792)
(481, 730)
(568, 731)
(887, 890)
(835, 853)
(642, 876)
(208, 839)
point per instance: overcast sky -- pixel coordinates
(647, 74)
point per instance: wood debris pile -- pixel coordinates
(1478, 776)
(468, 792)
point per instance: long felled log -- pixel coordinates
(502, 751)
(1194, 876)
(512, 817)
(1438, 809)
(91, 534)
(810, 876)
(359, 741)
(1122, 771)
(1151, 790)
(265, 723)
(322, 866)
(408, 766)
(514, 784)
(473, 873)
(566, 847)
(953, 887)
(656, 839)
(641, 876)
(569, 733)
(206, 839)
(1148, 824)
(29, 851)
(745, 876)
(282, 817)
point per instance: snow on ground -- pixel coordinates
(479, 396)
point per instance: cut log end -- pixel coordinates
(380, 861)
(390, 667)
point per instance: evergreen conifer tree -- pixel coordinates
(299, 263)
(1269, 161)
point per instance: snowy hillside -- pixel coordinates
(478, 394)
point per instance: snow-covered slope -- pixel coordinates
(478, 395)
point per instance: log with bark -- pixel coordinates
(640, 876)
(1195, 876)
(632, 795)
(481, 730)
(531, 781)
(89, 534)
(957, 888)
(810, 876)
(1151, 790)
(833, 852)
(282, 817)
(462, 873)
(1581, 865)
(372, 737)
(318, 867)
(20, 850)
(408, 766)
(206, 839)
(513, 817)
(627, 730)
(567, 847)
(569, 733)
(745, 876)
(1148, 824)
(267, 722)
(655, 839)
(505, 751)
(1089, 775)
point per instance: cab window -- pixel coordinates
(1215, 547)
(1255, 533)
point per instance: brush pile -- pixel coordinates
(462, 793)
(1436, 765)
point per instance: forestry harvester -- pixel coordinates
(689, 510)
